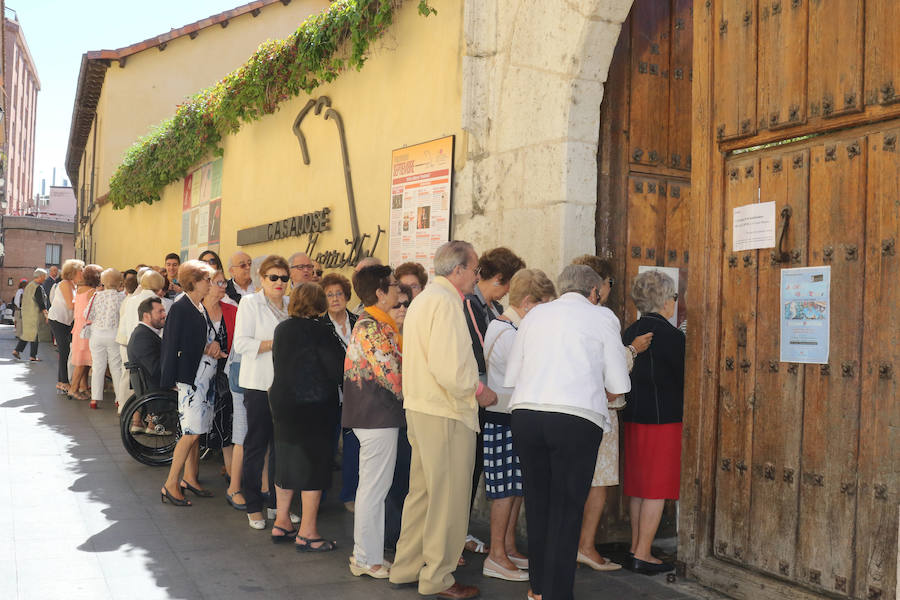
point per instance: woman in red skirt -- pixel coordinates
(653, 415)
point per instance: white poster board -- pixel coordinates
(805, 315)
(754, 226)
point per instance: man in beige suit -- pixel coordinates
(441, 394)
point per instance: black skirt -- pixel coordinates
(303, 444)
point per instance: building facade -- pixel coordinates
(630, 130)
(22, 85)
(29, 243)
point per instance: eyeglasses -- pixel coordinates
(283, 278)
(243, 265)
(308, 267)
(219, 283)
(399, 305)
(334, 295)
(319, 272)
(477, 271)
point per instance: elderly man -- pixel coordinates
(34, 310)
(565, 365)
(241, 283)
(51, 279)
(302, 268)
(441, 396)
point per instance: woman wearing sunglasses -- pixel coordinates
(254, 329)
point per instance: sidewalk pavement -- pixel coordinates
(79, 518)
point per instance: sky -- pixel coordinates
(58, 32)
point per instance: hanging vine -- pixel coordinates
(317, 52)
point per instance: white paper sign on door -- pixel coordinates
(754, 226)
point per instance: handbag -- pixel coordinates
(85, 332)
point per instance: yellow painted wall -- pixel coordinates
(409, 91)
(152, 83)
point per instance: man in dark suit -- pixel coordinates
(146, 342)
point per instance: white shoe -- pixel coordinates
(522, 563)
(258, 524)
(295, 519)
(271, 513)
(608, 565)
(383, 573)
(492, 569)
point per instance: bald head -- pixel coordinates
(369, 261)
(239, 267)
(302, 269)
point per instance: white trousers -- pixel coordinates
(377, 457)
(104, 352)
(124, 389)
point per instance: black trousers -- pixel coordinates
(393, 504)
(558, 453)
(259, 439)
(20, 347)
(63, 336)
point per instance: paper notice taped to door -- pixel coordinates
(754, 226)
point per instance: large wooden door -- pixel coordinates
(790, 480)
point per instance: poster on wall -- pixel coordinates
(671, 272)
(421, 180)
(805, 315)
(754, 226)
(201, 207)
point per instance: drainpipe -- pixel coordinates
(93, 170)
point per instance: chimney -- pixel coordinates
(54, 177)
(43, 186)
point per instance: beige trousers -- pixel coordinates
(436, 511)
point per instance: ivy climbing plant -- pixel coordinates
(317, 52)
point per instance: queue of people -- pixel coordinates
(424, 387)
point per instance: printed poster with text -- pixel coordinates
(805, 315)
(201, 207)
(421, 179)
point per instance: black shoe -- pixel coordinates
(649, 568)
(405, 584)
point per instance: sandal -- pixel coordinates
(286, 535)
(473, 544)
(165, 495)
(17, 355)
(307, 545)
(35, 359)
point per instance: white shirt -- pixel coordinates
(59, 311)
(128, 314)
(158, 332)
(339, 331)
(566, 354)
(498, 343)
(255, 323)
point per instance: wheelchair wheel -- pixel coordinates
(150, 428)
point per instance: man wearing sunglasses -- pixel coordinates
(240, 283)
(303, 269)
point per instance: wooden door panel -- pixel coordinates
(879, 446)
(882, 52)
(778, 405)
(827, 507)
(782, 63)
(680, 77)
(650, 22)
(835, 57)
(735, 66)
(678, 202)
(739, 292)
(646, 230)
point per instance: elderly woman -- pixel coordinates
(188, 362)
(81, 351)
(34, 311)
(341, 321)
(495, 268)
(308, 364)
(398, 311)
(103, 316)
(502, 473)
(606, 470)
(373, 407)
(653, 415)
(62, 315)
(566, 357)
(220, 314)
(254, 329)
(413, 275)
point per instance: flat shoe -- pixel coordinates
(497, 571)
(521, 563)
(383, 573)
(606, 566)
(258, 524)
(229, 498)
(649, 568)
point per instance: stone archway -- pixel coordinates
(533, 76)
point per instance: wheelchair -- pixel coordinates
(149, 421)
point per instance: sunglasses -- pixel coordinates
(212, 261)
(283, 278)
(401, 305)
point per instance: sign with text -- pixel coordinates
(754, 226)
(421, 181)
(201, 210)
(805, 315)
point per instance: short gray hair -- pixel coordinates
(578, 278)
(39, 272)
(451, 255)
(295, 255)
(651, 289)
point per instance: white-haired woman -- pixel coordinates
(653, 415)
(103, 317)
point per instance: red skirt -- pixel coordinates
(652, 461)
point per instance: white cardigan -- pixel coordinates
(128, 314)
(566, 355)
(255, 323)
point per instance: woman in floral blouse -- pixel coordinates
(373, 407)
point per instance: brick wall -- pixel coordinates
(26, 250)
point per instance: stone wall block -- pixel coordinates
(480, 27)
(584, 111)
(532, 109)
(580, 174)
(543, 169)
(476, 99)
(598, 43)
(614, 11)
(544, 36)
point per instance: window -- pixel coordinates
(54, 252)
